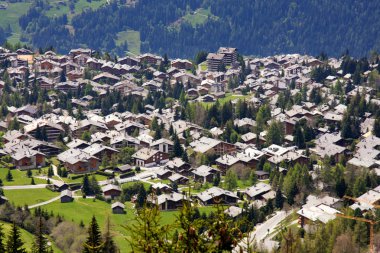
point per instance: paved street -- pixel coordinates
(259, 235)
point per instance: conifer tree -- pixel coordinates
(2, 245)
(94, 243)
(14, 243)
(141, 197)
(40, 244)
(109, 244)
(9, 176)
(86, 189)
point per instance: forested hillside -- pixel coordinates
(183, 27)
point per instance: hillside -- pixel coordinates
(181, 28)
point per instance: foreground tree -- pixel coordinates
(109, 244)
(94, 243)
(14, 243)
(40, 244)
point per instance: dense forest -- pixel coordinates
(255, 27)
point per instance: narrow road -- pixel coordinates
(45, 202)
(24, 187)
(261, 232)
(55, 171)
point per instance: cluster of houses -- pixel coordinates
(268, 77)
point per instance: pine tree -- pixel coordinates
(177, 148)
(94, 243)
(86, 189)
(279, 199)
(14, 243)
(141, 197)
(2, 245)
(50, 172)
(32, 181)
(40, 244)
(9, 176)
(109, 244)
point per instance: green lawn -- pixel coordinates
(19, 177)
(229, 97)
(198, 17)
(132, 38)
(83, 209)
(27, 237)
(11, 15)
(58, 8)
(29, 196)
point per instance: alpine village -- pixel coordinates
(219, 152)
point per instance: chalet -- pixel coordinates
(123, 168)
(150, 59)
(163, 188)
(100, 151)
(209, 145)
(45, 83)
(85, 125)
(129, 60)
(118, 208)
(28, 159)
(44, 128)
(204, 174)
(233, 211)
(111, 191)
(93, 63)
(75, 52)
(78, 161)
(227, 162)
(291, 158)
(163, 145)
(262, 175)
(217, 195)
(181, 64)
(178, 179)
(78, 144)
(256, 191)
(179, 166)
(60, 186)
(149, 157)
(163, 173)
(67, 86)
(66, 196)
(106, 77)
(168, 201)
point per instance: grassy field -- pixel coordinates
(29, 196)
(132, 38)
(58, 8)
(19, 177)
(83, 209)
(229, 97)
(10, 17)
(198, 17)
(27, 237)
(14, 11)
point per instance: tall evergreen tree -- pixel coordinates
(14, 243)
(2, 245)
(86, 188)
(40, 244)
(109, 244)
(94, 243)
(141, 197)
